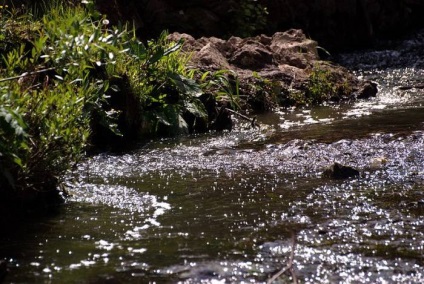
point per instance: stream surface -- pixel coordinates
(225, 208)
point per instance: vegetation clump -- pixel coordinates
(322, 86)
(67, 77)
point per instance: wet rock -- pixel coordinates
(367, 90)
(378, 162)
(338, 171)
(223, 120)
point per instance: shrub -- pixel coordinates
(44, 118)
(225, 84)
(320, 87)
(165, 86)
(58, 77)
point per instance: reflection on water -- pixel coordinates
(221, 208)
(190, 212)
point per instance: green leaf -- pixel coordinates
(204, 75)
(196, 108)
(185, 85)
(158, 55)
(173, 48)
(17, 161)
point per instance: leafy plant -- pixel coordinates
(225, 84)
(165, 86)
(265, 93)
(49, 92)
(65, 75)
(249, 17)
(320, 87)
(13, 141)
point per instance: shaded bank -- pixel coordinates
(342, 24)
(336, 24)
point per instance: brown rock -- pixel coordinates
(367, 90)
(293, 48)
(287, 59)
(209, 57)
(252, 55)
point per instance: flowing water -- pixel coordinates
(231, 207)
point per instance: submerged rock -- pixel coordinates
(338, 171)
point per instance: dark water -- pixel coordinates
(223, 208)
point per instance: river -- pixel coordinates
(231, 207)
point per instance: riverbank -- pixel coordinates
(72, 82)
(225, 207)
(336, 25)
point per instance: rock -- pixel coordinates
(293, 48)
(223, 120)
(188, 39)
(338, 171)
(210, 58)
(286, 60)
(252, 55)
(367, 90)
(377, 163)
